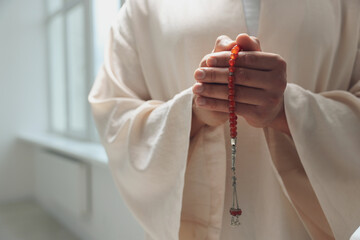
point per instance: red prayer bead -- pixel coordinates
(231, 104)
(235, 49)
(232, 62)
(231, 94)
(233, 119)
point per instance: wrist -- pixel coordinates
(280, 122)
(196, 123)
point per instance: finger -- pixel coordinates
(203, 61)
(243, 76)
(252, 96)
(254, 60)
(223, 43)
(242, 109)
(255, 39)
(248, 43)
(211, 75)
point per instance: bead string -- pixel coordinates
(235, 211)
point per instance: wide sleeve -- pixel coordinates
(146, 140)
(325, 128)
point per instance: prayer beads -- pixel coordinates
(235, 211)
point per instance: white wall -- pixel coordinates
(22, 92)
(23, 109)
(106, 218)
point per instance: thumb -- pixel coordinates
(248, 43)
(223, 43)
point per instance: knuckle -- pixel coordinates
(281, 61)
(203, 60)
(212, 74)
(280, 80)
(219, 39)
(256, 40)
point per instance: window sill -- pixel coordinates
(90, 152)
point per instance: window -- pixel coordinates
(76, 32)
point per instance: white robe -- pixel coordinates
(289, 188)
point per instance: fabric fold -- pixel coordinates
(329, 154)
(147, 155)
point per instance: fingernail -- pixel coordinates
(198, 88)
(201, 101)
(211, 61)
(200, 74)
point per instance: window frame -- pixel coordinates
(90, 133)
(67, 5)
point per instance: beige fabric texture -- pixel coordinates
(302, 187)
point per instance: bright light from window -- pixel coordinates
(54, 5)
(75, 57)
(76, 52)
(104, 14)
(57, 74)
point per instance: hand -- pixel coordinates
(202, 116)
(260, 80)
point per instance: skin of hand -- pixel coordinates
(260, 82)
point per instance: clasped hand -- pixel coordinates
(260, 82)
